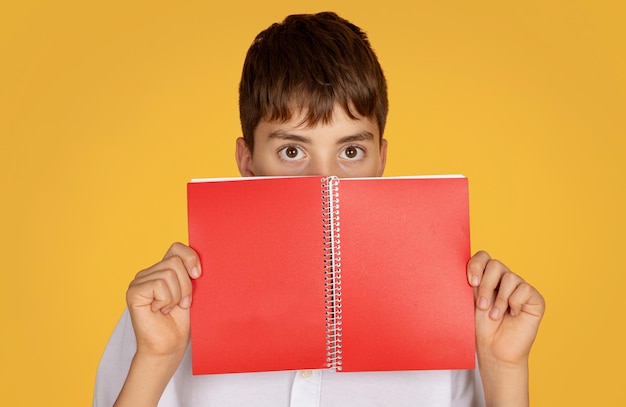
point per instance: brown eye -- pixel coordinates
(291, 152)
(351, 152)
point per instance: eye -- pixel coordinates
(291, 153)
(352, 153)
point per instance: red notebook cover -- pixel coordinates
(379, 285)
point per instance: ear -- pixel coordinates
(383, 157)
(244, 158)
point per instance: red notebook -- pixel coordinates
(363, 274)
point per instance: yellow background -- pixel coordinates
(108, 108)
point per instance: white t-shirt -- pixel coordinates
(307, 388)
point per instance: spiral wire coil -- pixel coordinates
(332, 270)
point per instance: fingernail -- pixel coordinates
(475, 281)
(495, 313)
(195, 272)
(166, 311)
(186, 302)
(482, 303)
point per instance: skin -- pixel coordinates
(508, 310)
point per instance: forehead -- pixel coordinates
(340, 123)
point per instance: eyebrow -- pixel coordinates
(362, 136)
(281, 135)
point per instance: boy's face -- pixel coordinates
(344, 148)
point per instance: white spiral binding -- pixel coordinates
(332, 270)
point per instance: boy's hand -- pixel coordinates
(508, 313)
(158, 301)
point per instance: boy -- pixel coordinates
(313, 101)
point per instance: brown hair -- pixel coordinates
(310, 62)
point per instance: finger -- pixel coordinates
(154, 293)
(173, 287)
(188, 256)
(527, 299)
(509, 283)
(476, 267)
(488, 288)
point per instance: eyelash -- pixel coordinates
(282, 150)
(360, 152)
